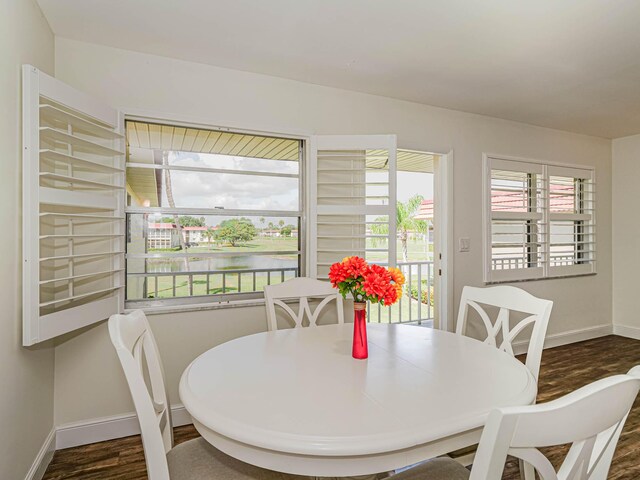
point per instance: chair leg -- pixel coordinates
(527, 472)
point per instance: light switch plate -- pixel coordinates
(464, 244)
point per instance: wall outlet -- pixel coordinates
(464, 244)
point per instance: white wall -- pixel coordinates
(26, 375)
(193, 92)
(626, 235)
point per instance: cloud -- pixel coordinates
(233, 191)
(232, 163)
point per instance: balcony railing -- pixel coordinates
(417, 302)
(415, 306)
(208, 282)
(510, 263)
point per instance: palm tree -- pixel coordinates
(209, 234)
(405, 223)
(262, 224)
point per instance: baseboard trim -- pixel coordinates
(565, 338)
(108, 428)
(627, 331)
(42, 460)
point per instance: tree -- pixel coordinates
(286, 231)
(281, 223)
(184, 220)
(236, 230)
(209, 233)
(262, 223)
(405, 223)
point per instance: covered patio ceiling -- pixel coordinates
(166, 137)
(406, 160)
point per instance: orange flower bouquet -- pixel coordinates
(366, 283)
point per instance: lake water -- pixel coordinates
(235, 262)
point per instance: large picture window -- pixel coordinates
(539, 220)
(212, 216)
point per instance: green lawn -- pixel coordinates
(258, 244)
(231, 283)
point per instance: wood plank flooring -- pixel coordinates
(563, 369)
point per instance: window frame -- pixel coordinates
(547, 170)
(227, 300)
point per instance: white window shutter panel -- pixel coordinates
(515, 213)
(572, 235)
(73, 208)
(352, 192)
(539, 220)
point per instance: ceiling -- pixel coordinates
(570, 64)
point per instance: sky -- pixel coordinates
(410, 183)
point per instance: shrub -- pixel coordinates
(427, 294)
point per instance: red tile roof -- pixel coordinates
(426, 210)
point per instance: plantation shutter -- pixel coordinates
(73, 209)
(352, 189)
(539, 220)
(571, 221)
(516, 215)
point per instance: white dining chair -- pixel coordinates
(301, 290)
(590, 419)
(508, 299)
(192, 460)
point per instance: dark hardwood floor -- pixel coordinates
(563, 369)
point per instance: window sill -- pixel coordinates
(556, 277)
(196, 307)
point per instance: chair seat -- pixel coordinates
(199, 460)
(436, 469)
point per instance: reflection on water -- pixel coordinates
(235, 262)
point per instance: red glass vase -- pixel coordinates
(360, 349)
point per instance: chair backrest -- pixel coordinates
(590, 418)
(508, 299)
(301, 289)
(140, 360)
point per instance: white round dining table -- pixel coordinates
(295, 400)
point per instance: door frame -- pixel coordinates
(443, 242)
